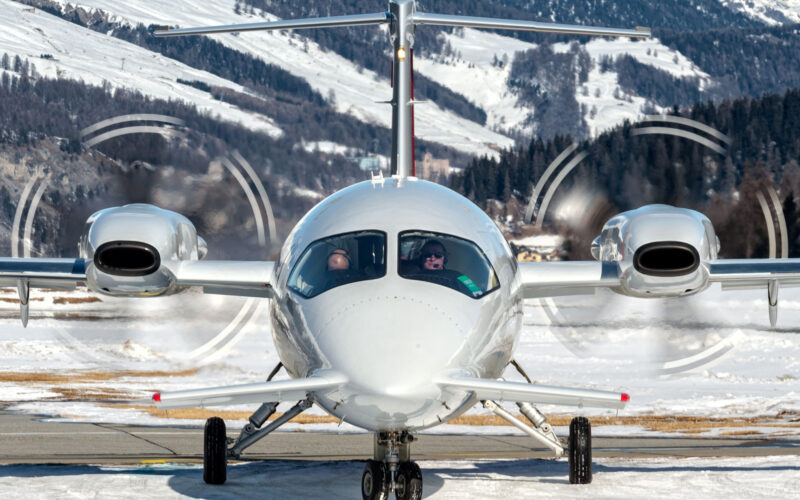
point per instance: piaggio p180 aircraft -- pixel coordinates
(396, 303)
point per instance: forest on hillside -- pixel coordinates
(40, 135)
(741, 56)
(627, 170)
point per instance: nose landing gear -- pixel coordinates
(375, 481)
(392, 469)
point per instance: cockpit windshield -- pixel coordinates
(339, 260)
(446, 260)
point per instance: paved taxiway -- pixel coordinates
(26, 439)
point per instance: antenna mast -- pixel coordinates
(403, 19)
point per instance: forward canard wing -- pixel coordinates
(275, 391)
(520, 392)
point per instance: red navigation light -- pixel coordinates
(624, 397)
(157, 397)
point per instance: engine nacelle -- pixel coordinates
(660, 250)
(125, 248)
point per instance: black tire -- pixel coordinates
(580, 451)
(409, 482)
(375, 481)
(215, 451)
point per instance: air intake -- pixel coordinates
(127, 258)
(666, 258)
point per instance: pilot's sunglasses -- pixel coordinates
(437, 255)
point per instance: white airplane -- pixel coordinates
(396, 303)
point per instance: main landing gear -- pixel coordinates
(215, 442)
(578, 445)
(392, 469)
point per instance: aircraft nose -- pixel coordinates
(391, 345)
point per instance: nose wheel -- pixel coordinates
(392, 470)
(376, 481)
(408, 483)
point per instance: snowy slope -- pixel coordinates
(82, 54)
(357, 91)
(768, 11)
(604, 111)
(472, 74)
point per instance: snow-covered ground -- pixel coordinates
(768, 477)
(71, 353)
(711, 355)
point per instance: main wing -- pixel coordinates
(242, 278)
(226, 277)
(557, 278)
(738, 274)
(43, 273)
(552, 279)
(753, 273)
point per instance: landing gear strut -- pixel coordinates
(579, 443)
(392, 469)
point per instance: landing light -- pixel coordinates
(401, 53)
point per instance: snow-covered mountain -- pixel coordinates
(767, 11)
(477, 67)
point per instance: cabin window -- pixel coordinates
(339, 260)
(446, 260)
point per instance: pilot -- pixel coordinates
(338, 260)
(340, 269)
(433, 256)
(432, 263)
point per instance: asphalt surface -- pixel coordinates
(26, 439)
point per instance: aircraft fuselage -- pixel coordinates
(391, 335)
